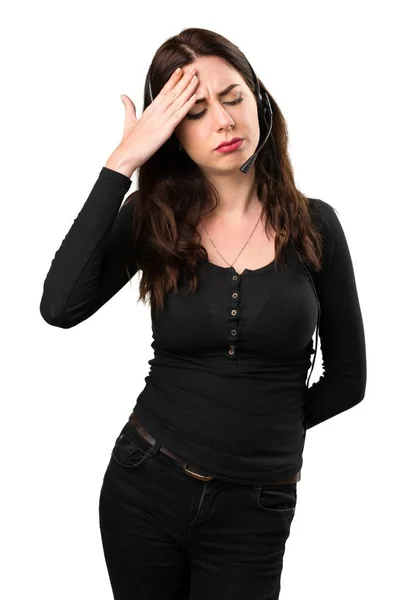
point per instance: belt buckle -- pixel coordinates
(196, 475)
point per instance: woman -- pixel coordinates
(241, 268)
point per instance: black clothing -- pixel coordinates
(168, 535)
(227, 386)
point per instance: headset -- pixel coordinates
(266, 112)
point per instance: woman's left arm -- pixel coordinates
(343, 347)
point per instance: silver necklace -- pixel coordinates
(241, 249)
(213, 243)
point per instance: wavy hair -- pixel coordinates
(173, 195)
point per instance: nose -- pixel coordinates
(222, 117)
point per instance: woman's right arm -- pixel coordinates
(89, 267)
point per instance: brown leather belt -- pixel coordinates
(134, 421)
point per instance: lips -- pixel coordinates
(229, 142)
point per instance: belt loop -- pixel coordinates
(154, 449)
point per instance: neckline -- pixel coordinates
(245, 273)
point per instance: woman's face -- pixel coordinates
(200, 136)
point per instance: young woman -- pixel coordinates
(241, 269)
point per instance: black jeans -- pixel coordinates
(169, 536)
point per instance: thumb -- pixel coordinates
(130, 110)
(127, 102)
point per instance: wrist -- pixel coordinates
(117, 163)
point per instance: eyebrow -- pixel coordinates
(223, 93)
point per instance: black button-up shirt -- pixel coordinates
(226, 390)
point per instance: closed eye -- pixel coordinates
(199, 115)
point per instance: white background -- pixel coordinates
(343, 75)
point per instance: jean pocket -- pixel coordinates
(281, 502)
(126, 453)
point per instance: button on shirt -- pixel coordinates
(226, 389)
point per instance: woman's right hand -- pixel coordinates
(144, 136)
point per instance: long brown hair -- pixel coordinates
(173, 195)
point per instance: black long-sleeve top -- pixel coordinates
(226, 390)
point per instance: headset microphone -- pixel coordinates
(267, 113)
